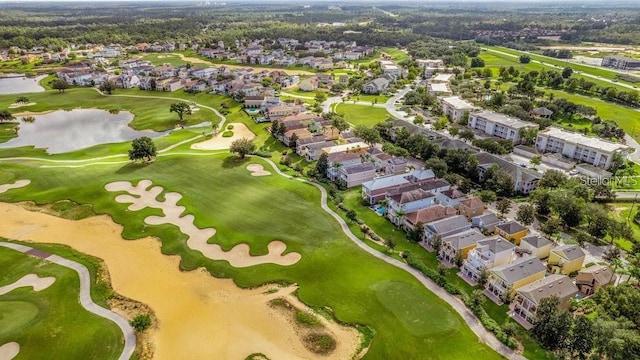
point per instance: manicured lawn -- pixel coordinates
(332, 273)
(362, 114)
(369, 98)
(51, 324)
(396, 54)
(8, 131)
(621, 213)
(161, 59)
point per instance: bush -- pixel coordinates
(141, 322)
(229, 127)
(227, 134)
(262, 153)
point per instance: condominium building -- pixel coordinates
(576, 146)
(499, 125)
(620, 62)
(454, 107)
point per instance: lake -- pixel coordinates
(64, 131)
(17, 84)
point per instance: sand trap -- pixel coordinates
(218, 142)
(36, 282)
(199, 316)
(257, 170)
(9, 350)
(239, 256)
(19, 105)
(18, 184)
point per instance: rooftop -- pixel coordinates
(496, 244)
(511, 227)
(443, 77)
(602, 274)
(448, 224)
(519, 269)
(411, 196)
(345, 147)
(535, 240)
(552, 285)
(464, 239)
(570, 252)
(504, 119)
(457, 102)
(430, 214)
(579, 139)
(440, 87)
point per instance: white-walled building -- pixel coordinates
(499, 125)
(454, 107)
(576, 146)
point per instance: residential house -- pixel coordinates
(536, 245)
(591, 279)
(375, 190)
(445, 227)
(357, 174)
(525, 180)
(471, 207)
(301, 133)
(454, 107)
(317, 141)
(591, 150)
(439, 89)
(528, 298)
(254, 102)
(511, 231)
(451, 197)
(499, 125)
(456, 247)
(341, 159)
(400, 203)
(505, 279)
(196, 86)
(487, 254)
(566, 259)
(486, 222)
(427, 215)
(395, 165)
(127, 81)
(309, 84)
(376, 86)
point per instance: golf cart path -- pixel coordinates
(85, 297)
(471, 320)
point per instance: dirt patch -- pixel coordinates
(31, 280)
(143, 196)
(18, 184)
(220, 142)
(19, 105)
(9, 350)
(258, 170)
(198, 316)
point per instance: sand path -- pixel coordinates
(36, 282)
(199, 316)
(18, 184)
(258, 170)
(19, 105)
(219, 142)
(9, 350)
(142, 196)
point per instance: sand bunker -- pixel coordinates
(219, 143)
(36, 282)
(9, 351)
(257, 170)
(239, 256)
(18, 184)
(19, 105)
(199, 316)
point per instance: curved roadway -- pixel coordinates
(85, 298)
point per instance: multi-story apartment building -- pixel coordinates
(499, 125)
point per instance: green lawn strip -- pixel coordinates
(219, 192)
(8, 130)
(381, 99)
(63, 328)
(362, 114)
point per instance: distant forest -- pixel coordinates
(55, 25)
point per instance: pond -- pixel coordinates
(18, 84)
(64, 131)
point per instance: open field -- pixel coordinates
(362, 114)
(51, 323)
(212, 189)
(396, 55)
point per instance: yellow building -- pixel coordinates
(505, 279)
(458, 245)
(512, 231)
(566, 259)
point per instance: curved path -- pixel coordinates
(85, 297)
(472, 321)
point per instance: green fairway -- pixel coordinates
(8, 131)
(624, 212)
(161, 59)
(332, 273)
(396, 54)
(51, 324)
(362, 114)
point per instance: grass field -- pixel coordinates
(621, 213)
(333, 272)
(51, 324)
(396, 54)
(161, 59)
(368, 98)
(362, 114)
(8, 131)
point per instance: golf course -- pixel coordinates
(207, 220)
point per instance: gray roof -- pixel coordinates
(503, 119)
(543, 111)
(552, 285)
(602, 274)
(519, 269)
(464, 239)
(497, 244)
(487, 219)
(486, 161)
(397, 160)
(570, 252)
(358, 168)
(535, 240)
(448, 224)
(386, 181)
(511, 227)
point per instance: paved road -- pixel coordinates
(472, 321)
(582, 73)
(85, 298)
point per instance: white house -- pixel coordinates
(486, 255)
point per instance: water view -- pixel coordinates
(17, 84)
(64, 131)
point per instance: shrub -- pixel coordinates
(141, 322)
(262, 153)
(227, 134)
(229, 127)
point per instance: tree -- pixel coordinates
(552, 179)
(438, 166)
(369, 135)
(22, 100)
(107, 87)
(464, 119)
(436, 244)
(526, 214)
(5, 115)
(525, 59)
(503, 205)
(415, 234)
(141, 322)
(181, 109)
(483, 277)
(242, 147)
(142, 148)
(551, 327)
(535, 161)
(293, 141)
(477, 62)
(466, 134)
(551, 227)
(487, 196)
(320, 96)
(567, 72)
(60, 85)
(581, 338)
(322, 165)
(339, 123)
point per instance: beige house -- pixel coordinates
(566, 259)
(505, 279)
(536, 245)
(593, 278)
(528, 298)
